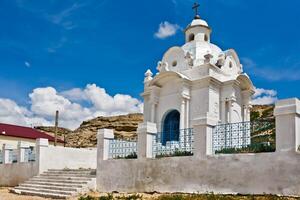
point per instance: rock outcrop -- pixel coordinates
(124, 126)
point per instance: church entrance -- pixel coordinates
(170, 127)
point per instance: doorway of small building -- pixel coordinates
(170, 127)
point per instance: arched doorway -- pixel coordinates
(170, 127)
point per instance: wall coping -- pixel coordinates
(147, 127)
(287, 106)
(106, 133)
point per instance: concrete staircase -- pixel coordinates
(59, 184)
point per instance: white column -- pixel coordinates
(187, 121)
(41, 159)
(5, 153)
(103, 138)
(230, 111)
(223, 112)
(203, 130)
(182, 114)
(22, 146)
(153, 112)
(146, 132)
(287, 115)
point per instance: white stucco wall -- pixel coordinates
(276, 173)
(72, 158)
(13, 174)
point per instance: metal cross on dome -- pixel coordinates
(195, 7)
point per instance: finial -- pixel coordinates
(148, 73)
(148, 76)
(195, 7)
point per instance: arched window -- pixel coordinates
(205, 38)
(174, 63)
(191, 37)
(170, 129)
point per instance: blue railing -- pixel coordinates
(231, 135)
(243, 137)
(173, 143)
(119, 149)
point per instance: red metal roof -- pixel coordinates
(24, 132)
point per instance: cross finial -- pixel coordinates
(195, 7)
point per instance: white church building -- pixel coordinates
(197, 82)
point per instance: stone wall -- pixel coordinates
(13, 174)
(47, 157)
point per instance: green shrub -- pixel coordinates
(253, 148)
(254, 115)
(132, 155)
(176, 153)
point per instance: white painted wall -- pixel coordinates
(13, 174)
(276, 173)
(72, 158)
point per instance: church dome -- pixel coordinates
(197, 22)
(201, 48)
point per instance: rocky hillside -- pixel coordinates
(51, 130)
(125, 127)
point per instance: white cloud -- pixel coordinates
(264, 96)
(75, 105)
(166, 29)
(27, 64)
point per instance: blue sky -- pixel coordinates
(69, 44)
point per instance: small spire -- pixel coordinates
(195, 7)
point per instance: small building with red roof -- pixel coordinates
(12, 134)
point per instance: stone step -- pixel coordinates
(69, 193)
(70, 170)
(54, 184)
(54, 187)
(58, 181)
(62, 178)
(41, 194)
(68, 175)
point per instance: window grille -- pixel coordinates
(122, 149)
(176, 146)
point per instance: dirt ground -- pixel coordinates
(6, 195)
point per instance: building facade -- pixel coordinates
(196, 82)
